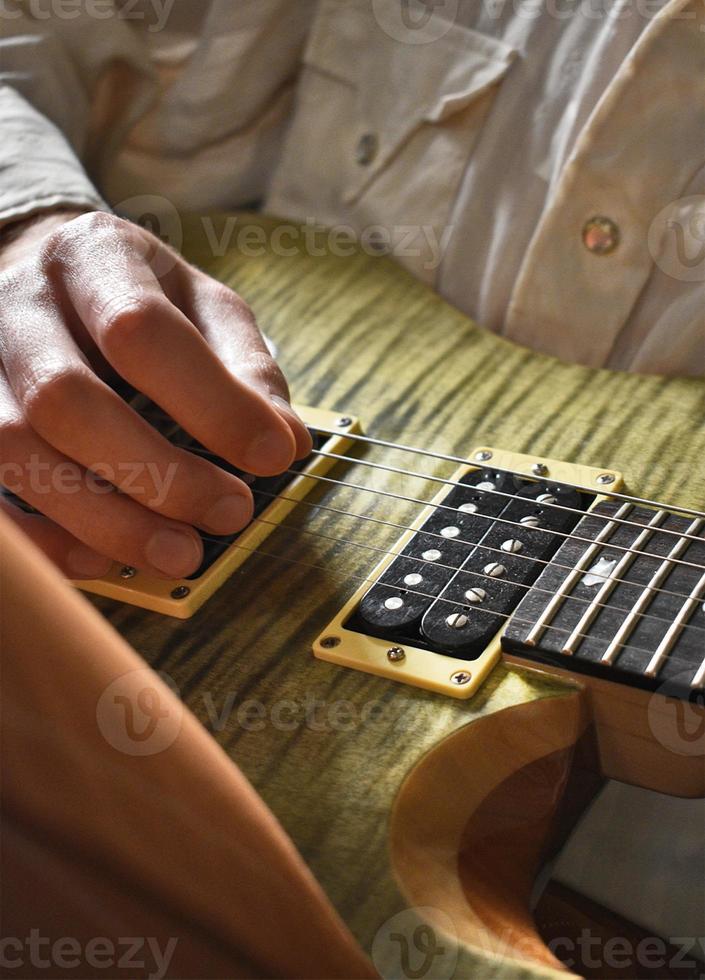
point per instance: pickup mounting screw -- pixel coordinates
(461, 677)
(329, 642)
(344, 421)
(127, 571)
(395, 655)
(483, 456)
(180, 592)
(539, 469)
(605, 479)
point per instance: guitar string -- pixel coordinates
(494, 493)
(453, 568)
(615, 495)
(603, 492)
(569, 536)
(497, 493)
(502, 617)
(482, 575)
(519, 556)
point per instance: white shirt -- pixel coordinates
(475, 145)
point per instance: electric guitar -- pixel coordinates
(447, 628)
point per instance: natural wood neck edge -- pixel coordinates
(475, 819)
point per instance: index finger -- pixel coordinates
(157, 349)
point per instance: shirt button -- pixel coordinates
(600, 236)
(366, 149)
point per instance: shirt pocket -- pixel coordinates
(383, 130)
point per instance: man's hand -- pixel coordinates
(83, 296)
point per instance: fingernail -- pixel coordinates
(270, 452)
(304, 442)
(286, 406)
(228, 514)
(173, 553)
(83, 562)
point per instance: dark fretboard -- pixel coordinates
(629, 606)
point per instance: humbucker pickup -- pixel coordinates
(439, 602)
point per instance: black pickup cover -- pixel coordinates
(422, 597)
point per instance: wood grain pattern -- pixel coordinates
(328, 748)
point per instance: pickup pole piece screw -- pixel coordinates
(457, 621)
(512, 546)
(461, 677)
(475, 595)
(395, 655)
(494, 570)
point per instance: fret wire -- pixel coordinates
(453, 568)
(487, 517)
(679, 624)
(630, 622)
(625, 562)
(699, 676)
(628, 498)
(571, 580)
(490, 493)
(503, 617)
(691, 601)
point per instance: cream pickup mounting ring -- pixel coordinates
(443, 595)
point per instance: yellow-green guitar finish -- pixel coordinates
(328, 748)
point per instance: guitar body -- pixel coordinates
(399, 798)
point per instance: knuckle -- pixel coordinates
(263, 366)
(228, 300)
(129, 318)
(51, 395)
(62, 242)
